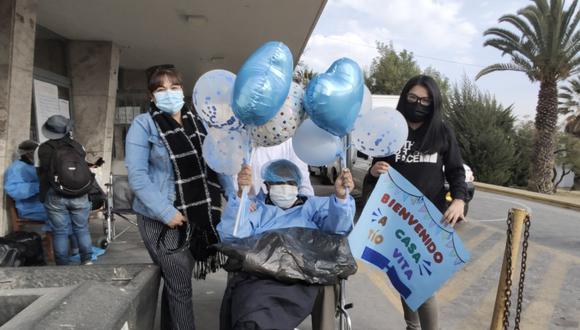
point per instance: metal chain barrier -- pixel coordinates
(508, 279)
(527, 224)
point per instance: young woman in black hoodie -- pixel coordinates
(429, 156)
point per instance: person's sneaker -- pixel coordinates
(87, 263)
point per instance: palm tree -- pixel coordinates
(573, 125)
(570, 97)
(570, 104)
(545, 47)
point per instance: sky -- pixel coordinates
(444, 34)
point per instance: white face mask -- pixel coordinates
(170, 101)
(283, 195)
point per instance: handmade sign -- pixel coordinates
(400, 232)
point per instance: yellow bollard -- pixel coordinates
(518, 220)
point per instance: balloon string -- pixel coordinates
(343, 166)
(343, 157)
(242, 208)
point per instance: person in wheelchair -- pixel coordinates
(254, 301)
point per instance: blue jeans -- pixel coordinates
(62, 211)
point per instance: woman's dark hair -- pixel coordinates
(156, 77)
(435, 137)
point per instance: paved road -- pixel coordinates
(552, 295)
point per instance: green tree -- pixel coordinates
(545, 47)
(524, 145)
(442, 80)
(568, 156)
(484, 130)
(390, 70)
(303, 74)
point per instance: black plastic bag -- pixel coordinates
(292, 255)
(30, 246)
(9, 255)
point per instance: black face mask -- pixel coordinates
(415, 113)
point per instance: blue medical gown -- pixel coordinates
(21, 183)
(325, 213)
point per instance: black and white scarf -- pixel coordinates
(196, 187)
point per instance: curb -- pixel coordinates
(534, 196)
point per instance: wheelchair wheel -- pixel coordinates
(344, 321)
(103, 243)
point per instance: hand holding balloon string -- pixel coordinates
(244, 184)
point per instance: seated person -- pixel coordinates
(263, 155)
(252, 302)
(21, 183)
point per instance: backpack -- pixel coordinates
(69, 173)
(30, 246)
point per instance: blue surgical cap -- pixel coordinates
(281, 170)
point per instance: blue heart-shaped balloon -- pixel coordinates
(333, 99)
(262, 83)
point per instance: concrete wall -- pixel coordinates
(17, 31)
(70, 297)
(93, 69)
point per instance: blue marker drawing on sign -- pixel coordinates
(381, 262)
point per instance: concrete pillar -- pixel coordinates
(93, 70)
(17, 31)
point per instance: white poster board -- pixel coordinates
(46, 104)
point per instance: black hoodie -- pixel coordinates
(425, 171)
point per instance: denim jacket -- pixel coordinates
(151, 172)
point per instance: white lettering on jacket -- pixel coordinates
(405, 155)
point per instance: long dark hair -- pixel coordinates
(435, 137)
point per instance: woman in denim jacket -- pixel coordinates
(177, 195)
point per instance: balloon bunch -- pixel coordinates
(332, 101)
(261, 106)
(339, 103)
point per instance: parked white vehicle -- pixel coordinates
(330, 172)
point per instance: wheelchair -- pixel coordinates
(118, 204)
(342, 307)
(342, 317)
(288, 262)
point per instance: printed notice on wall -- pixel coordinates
(46, 104)
(63, 107)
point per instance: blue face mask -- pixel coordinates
(169, 102)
